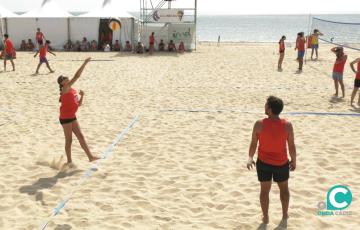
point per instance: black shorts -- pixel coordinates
(357, 83)
(66, 121)
(266, 172)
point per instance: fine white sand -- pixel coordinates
(174, 169)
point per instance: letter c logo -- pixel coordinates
(338, 198)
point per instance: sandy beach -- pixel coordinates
(183, 163)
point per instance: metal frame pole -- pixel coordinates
(195, 20)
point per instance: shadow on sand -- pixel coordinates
(63, 227)
(334, 99)
(45, 183)
(281, 226)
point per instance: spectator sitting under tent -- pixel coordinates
(128, 47)
(93, 46)
(171, 46)
(30, 45)
(139, 48)
(117, 45)
(84, 45)
(68, 46)
(181, 47)
(161, 45)
(76, 46)
(23, 45)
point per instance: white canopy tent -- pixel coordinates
(88, 24)
(4, 14)
(49, 17)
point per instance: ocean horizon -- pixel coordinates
(262, 28)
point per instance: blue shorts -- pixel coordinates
(316, 46)
(337, 76)
(301, 54)
(43, 60)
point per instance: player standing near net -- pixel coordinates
(315, 43)
(300, 46)
(338, 69)
(281, 52)
(357, 79)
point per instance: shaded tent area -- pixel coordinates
(94, 25)
(4, 14)
(52, 20)
(59, 26)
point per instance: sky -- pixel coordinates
(225, 7)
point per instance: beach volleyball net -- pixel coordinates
(338, 33)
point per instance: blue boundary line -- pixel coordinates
(253, 112)
(61, 205)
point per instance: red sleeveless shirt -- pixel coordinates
(272, 142)
(69, 104)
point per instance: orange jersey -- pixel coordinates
(300, 44)
(281, 46)
(272, 142)
(43, 51)
(9, 46)
(339, 65)
(69, 104)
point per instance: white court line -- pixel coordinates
(61, 205)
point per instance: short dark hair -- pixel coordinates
(275, 104)
(6, 36)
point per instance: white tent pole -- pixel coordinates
(1, 29)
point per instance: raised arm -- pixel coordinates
(253, 144)
(291, 145)
(353, 63)
(78, 73)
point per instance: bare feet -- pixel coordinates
(94, 158)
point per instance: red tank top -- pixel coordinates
(152, 39)
(339, 66)
(43, 51)
(281, 46)
(301, 44)
(272, 142)
(9, 46)
(358, 71)
(69, 104)
(39, 36)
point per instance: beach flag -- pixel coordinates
(114, 24)
(309, 40)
